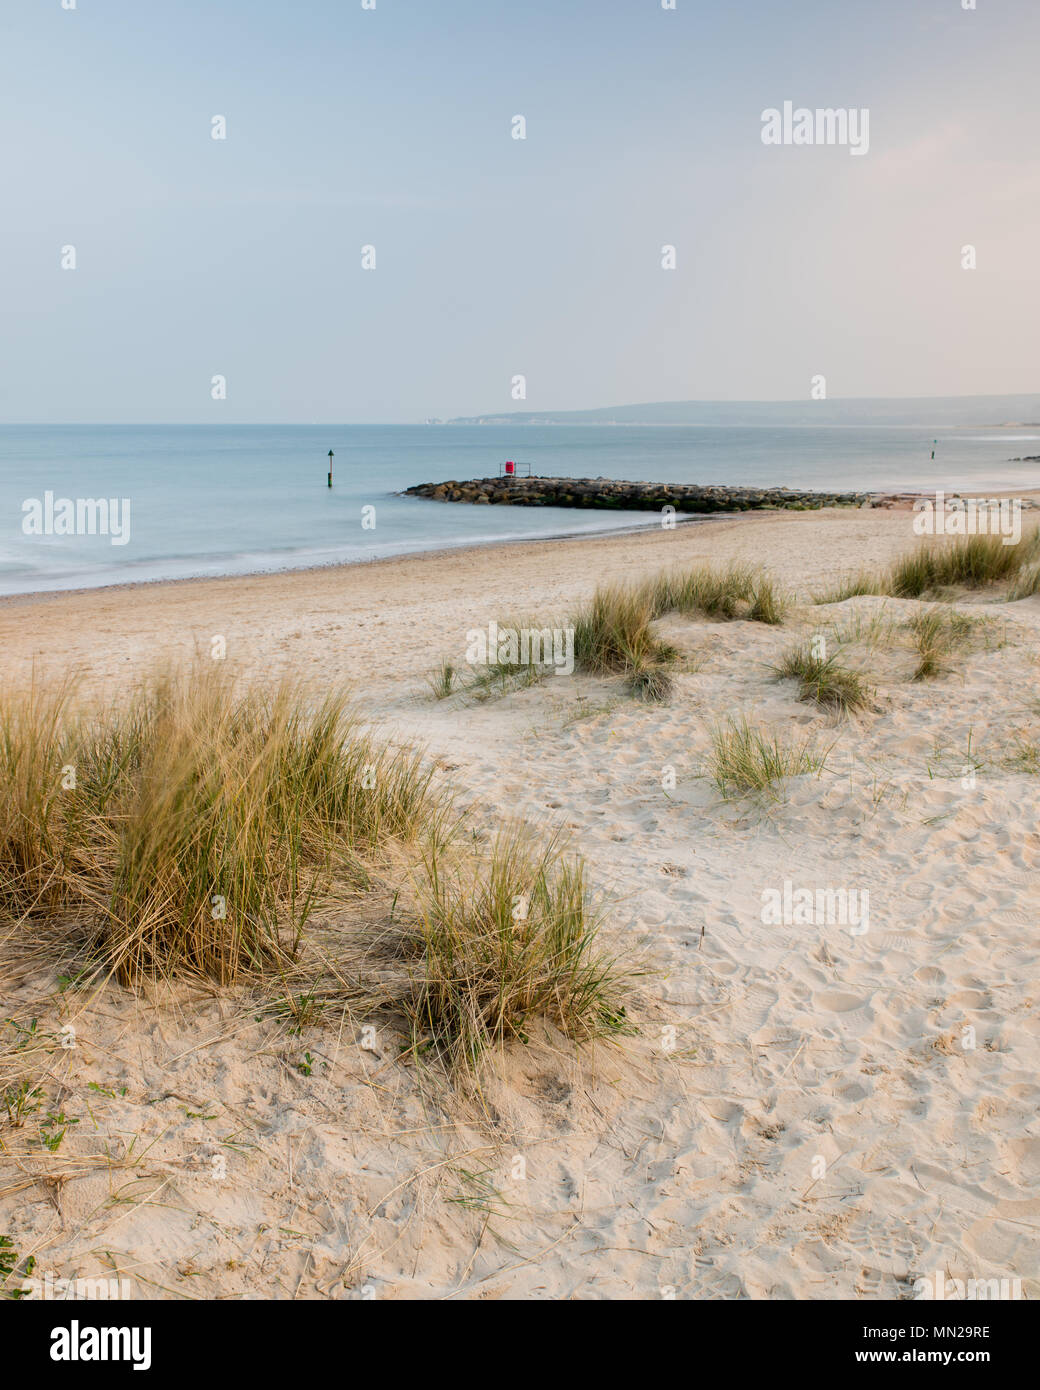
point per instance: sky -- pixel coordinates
(392, 127)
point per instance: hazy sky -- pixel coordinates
(494, 256)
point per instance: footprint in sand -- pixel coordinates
(921, 891)
(1025, 1158)
(754, 1008)
(974, 1000)
(1013, 917)
(870, 1284)
(930, 975)
(837, 1001)
(886, 1242)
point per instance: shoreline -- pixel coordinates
(377, 622)
(887, 508)
(882, 503)
(125, 585)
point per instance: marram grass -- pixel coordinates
(746, 758)
(737, 591)
(613, 632)
(1025, 585)
(196, 827)
(194, 824)
(852, 585)
(971, 562)
(967, 562)
(936, 633)
(825, 681)
(510, 939)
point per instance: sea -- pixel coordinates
(242, 499)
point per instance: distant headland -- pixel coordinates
(924, 412)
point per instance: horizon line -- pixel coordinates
(503, 414)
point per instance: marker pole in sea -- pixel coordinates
(934, 442)
(330, 466)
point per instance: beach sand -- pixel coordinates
(803, 1113)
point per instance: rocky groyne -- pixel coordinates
(609, 493)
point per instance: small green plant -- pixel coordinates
(442, 682)
(77, 981)
(8, 1258)
(299, 1010)
(54, 1128)
(26, 1034)
(307, 1065)
(1023, 755)
(20, 1102)
(105, 1091)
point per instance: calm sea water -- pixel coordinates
(210, 500)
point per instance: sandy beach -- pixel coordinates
(801, 1111)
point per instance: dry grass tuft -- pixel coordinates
(199, 829)
(825, 681)
(614, 632)
(936, 633)
(738, 591)
(510, 940)
(970, 562)
(852, 586)
(652, 684)
(1026, 585)
(745, 758)
(194, 826)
